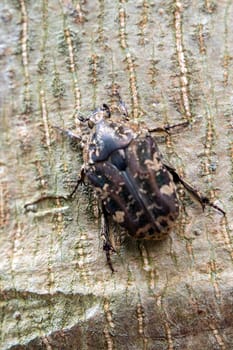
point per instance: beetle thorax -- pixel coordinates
(106, 138)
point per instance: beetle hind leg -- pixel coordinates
(107, 245)
(79, 182)
(203, 200)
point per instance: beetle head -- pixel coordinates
(97, 116)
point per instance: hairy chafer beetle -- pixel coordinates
(135, 186)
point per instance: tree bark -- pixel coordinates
(172, 62)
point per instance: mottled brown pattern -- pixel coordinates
(136, 188)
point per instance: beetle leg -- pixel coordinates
(107, 246)
(80, 181)
(168, 127)
(203, 200)
(69, 133)
(123, 108)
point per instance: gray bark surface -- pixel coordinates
(172, 62)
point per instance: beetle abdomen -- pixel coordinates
(136, 189)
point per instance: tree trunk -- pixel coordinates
(171, 62)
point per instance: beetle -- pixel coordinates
(135, 186)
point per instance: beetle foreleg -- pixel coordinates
(69, 133)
